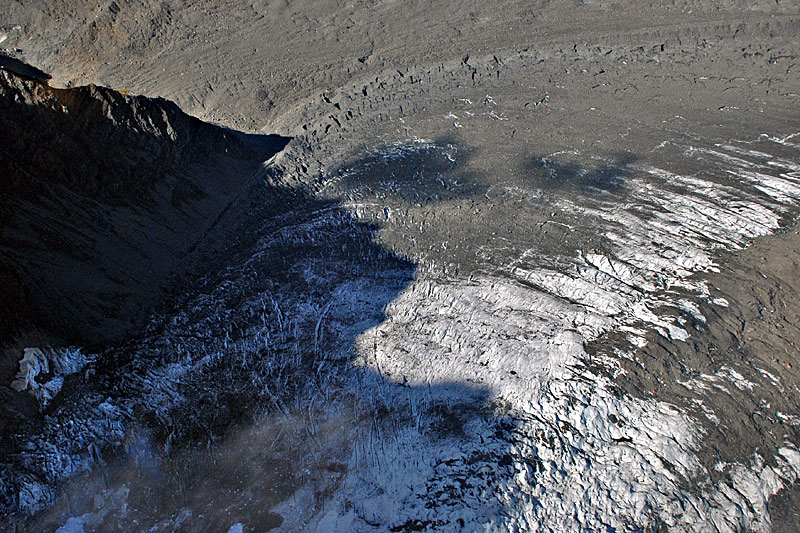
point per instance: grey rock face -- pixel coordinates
(102, 195)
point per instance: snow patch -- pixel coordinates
(49, 366)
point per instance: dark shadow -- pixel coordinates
(22, 69)
(554, 175)
(411, 173)
(261, 143)
(101, 204)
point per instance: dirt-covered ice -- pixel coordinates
(520, 267)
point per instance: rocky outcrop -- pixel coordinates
(102, 196)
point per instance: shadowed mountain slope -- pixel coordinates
(103, 194)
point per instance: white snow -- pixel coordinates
(38, 361)
(582, 458)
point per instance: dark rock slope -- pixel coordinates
(102, 197)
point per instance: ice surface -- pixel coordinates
(579, 457)
(37, 362)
